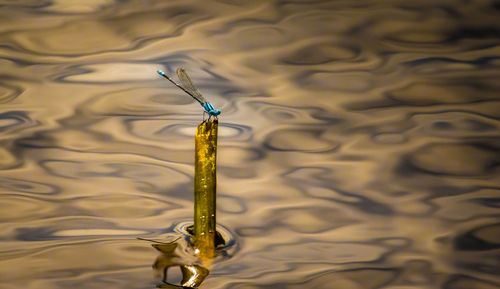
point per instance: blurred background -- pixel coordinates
(358, 140)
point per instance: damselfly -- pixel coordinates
(189, 88)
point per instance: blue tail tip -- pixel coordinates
(160, 72)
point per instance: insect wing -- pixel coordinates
(189, 86)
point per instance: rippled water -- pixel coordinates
(358, 141)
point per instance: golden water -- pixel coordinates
(358, 141)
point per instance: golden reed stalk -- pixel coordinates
(205, 182)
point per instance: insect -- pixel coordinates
(189, 88)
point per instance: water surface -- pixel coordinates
(358, 141)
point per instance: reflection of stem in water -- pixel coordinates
(192, 275)
(205, 189)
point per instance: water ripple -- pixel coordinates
(9, 92)
(23, 185)
(455, 159)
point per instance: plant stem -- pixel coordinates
(205, 189)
